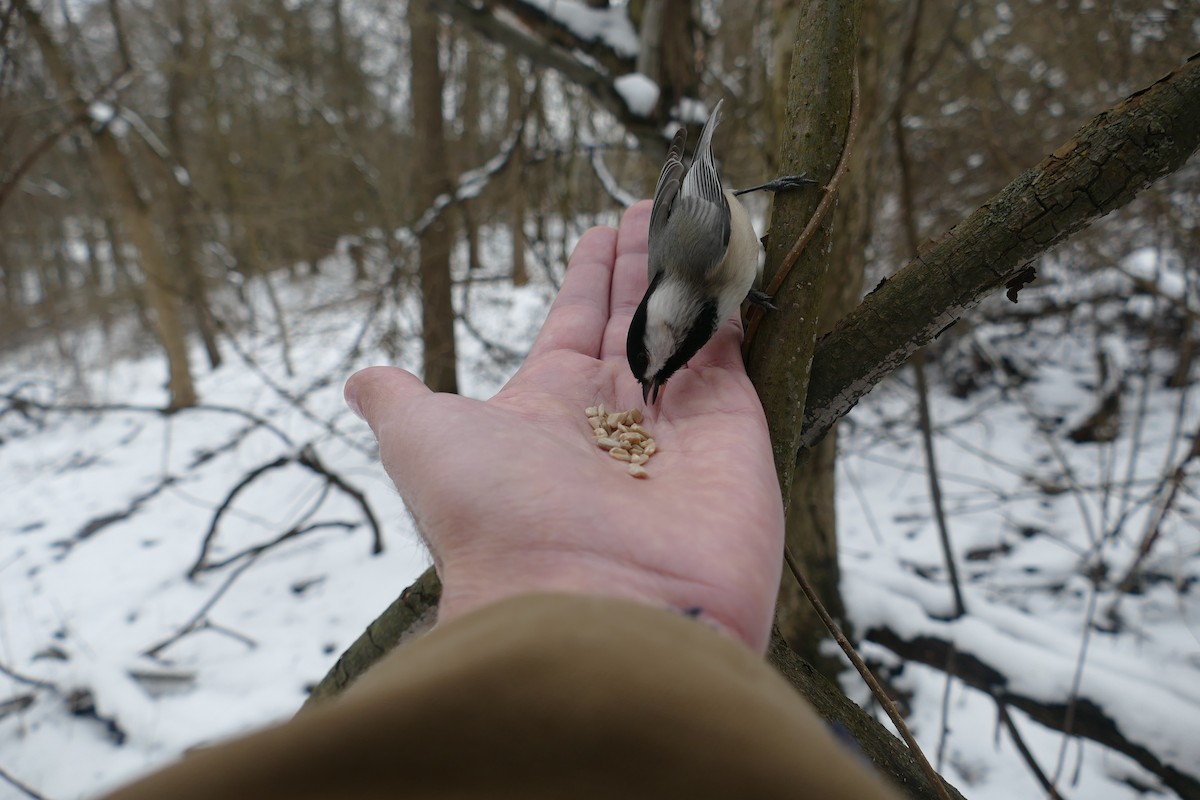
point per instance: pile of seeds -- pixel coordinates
(622, 435)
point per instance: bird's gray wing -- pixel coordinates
(707, 225)
(702, 180)
(664, 197)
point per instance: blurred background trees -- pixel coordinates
(154, 151)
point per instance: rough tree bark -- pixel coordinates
(430, 181)
(818, 116)
(161, 294)
(1116, 155)
(812, 518)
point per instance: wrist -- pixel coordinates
(469, 586)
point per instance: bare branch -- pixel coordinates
(37, 683)
(1107, 163)
(13, 177)
(21, 404)
(528, 31)
(306, 457)
(21, 787)
(1019, 741)
(199, 620)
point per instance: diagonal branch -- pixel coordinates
(1107, 163)
(12, 177)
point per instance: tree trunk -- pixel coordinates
(819, 96)
(816, 124)
(134, 211)
(812, 511)
(180, 196)
(431, 180)
(516, 170)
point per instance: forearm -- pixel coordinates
(543, 696)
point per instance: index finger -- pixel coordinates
(629, 278)
(578, 315)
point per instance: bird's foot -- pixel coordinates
(784, 183)
(761, 299)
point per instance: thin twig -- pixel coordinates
(308, 458)
(22, 404)
(925, 415)
(291, 533)
(25, 679)
(889, 707)
(1045, 430)
(951, 669)
(935, 484)
(1154, 526)
(1019, 741)
(201, 562)
(754, 316)
(24, 789)
(199, 619)
(1077, 680)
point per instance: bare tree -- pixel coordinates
(430, 180)
(134, 209)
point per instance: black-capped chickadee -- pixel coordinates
(703, 262)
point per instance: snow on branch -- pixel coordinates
(469, 185)
(592, 48)
(607, 26)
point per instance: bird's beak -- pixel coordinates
(650, 390)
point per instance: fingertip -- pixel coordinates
(640, 207)
(635, 228)
(597, 246)
(369, 390)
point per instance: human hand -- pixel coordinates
(513, 496)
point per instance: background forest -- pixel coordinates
(213, 211)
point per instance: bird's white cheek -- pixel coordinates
(660, 343)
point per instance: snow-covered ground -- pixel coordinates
(1030, 513)
(105, 515)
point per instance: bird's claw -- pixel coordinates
(761, 299)
(784, 183)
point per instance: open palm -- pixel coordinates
(513, 496)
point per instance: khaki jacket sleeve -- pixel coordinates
(543, 696)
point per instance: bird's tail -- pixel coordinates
(704, 146)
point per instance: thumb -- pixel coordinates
(375, 392)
